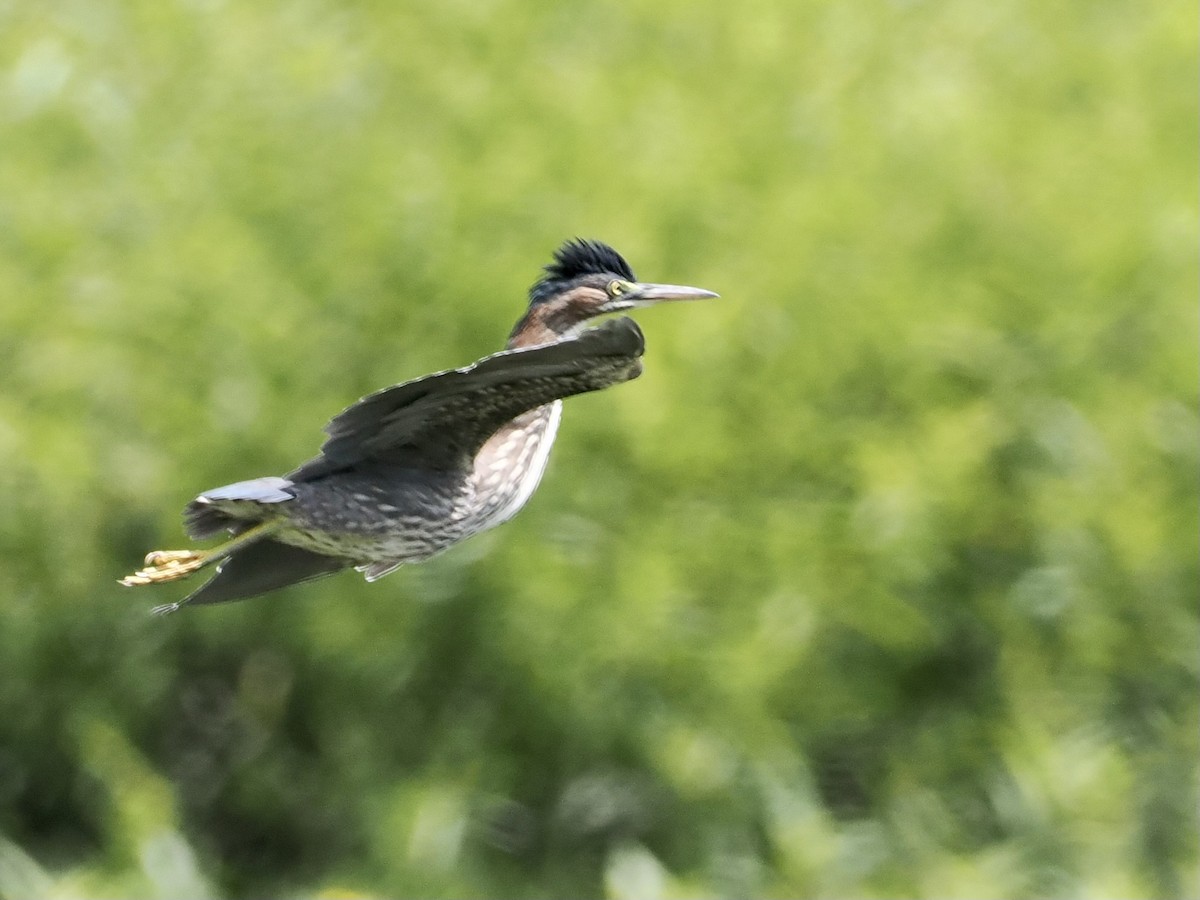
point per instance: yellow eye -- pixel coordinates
(617, 288)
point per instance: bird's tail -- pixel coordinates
(265, 565)
(234, 507)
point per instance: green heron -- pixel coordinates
(411, 470)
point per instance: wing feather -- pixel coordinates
(440, 421)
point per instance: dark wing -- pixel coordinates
(263, 566)
(440, 421)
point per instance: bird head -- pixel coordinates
(588, 279)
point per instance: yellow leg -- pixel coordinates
(171, 565)
(167, 565)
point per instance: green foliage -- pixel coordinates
(880, 582)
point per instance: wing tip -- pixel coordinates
(623, 335)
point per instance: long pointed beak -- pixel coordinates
(653, 293)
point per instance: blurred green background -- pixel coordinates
(881, 581)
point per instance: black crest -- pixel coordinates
(577, 258)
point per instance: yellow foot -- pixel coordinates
(166, 565)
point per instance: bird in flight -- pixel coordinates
(415, 468)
